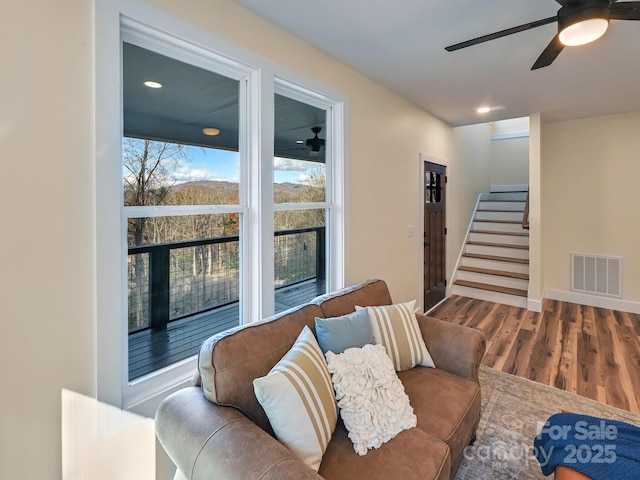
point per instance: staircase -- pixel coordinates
(494, 264)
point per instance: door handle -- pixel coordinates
(426, 244)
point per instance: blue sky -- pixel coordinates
(212, 164)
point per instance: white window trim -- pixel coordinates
(261, 78)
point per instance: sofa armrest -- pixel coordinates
(209, 441)
(454, 348)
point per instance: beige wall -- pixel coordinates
(48, 245)
(590, 187)
(47, 242)
(469, 177)
(510, 161)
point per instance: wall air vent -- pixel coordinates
(596, 275)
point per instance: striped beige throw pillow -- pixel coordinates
(396, 327)
(297, 396)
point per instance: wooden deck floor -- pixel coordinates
(150, 351)
(593, 352)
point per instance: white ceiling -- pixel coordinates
(400, 44)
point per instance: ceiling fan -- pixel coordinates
(579, 22)
(311, 145)
(315, 143)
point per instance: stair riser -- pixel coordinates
(504, 216)
(495, 265)
(513, 206)
(522, 196)
(489, 296)
(494, 280)
(497, 251)
(497, 238)
(498, 227)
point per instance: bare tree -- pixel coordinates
(147, 165)
(313, 191)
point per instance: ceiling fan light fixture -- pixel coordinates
(483, 109)
(584, 32)
(583, 24)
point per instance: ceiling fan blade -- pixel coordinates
(549, 54)
(625, 11)
(501, 33)
(564, 3)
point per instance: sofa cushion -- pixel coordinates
(298, 398)
(447, 406)
(396, 327)
(230, 361)
(339, 333)
(369, 292)
(412, 454)
(373, 404)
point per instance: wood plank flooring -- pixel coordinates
(590, 351)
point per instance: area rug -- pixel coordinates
(513, 412)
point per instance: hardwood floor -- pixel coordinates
(590, 351)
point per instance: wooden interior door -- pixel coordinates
(434, 233)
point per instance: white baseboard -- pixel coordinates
(593, 300)
(534, 305)
(516, 187)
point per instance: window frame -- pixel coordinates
(259, 81)
(301, 94)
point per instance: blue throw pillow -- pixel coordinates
(339, 333)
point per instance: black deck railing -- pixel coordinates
(171, 281)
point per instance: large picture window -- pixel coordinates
(230, 191)
(180, 163)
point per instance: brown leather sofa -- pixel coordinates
(218, 430)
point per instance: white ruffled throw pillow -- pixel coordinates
(373, 404)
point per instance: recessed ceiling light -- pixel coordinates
(300, 141)
(152, 84)
(483, 110)
(212, 132)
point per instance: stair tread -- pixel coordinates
(500, 273)
(498, 200)
(491, 288)
(503, 245)
(496, 258)
(496, 232)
